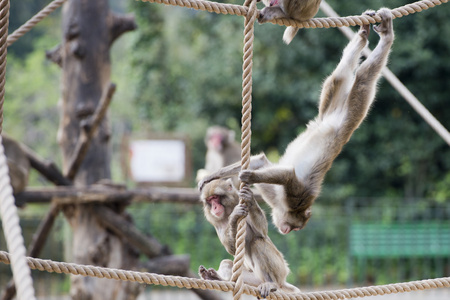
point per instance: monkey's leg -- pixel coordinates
(371, 68)
(337, 85)
(209, 274)
(363, 91)
(289, 288)
(257, 216)
(225, 269)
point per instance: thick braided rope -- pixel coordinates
(19, 32)
(222, 8)
(4, 22)
(13, 233)
(249, 25)
(8, 210)
(225, 286)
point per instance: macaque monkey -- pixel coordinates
(291, 186)
(300, 10)
(264, 265)
(222, 150)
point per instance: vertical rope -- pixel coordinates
(8, 210)
(249, 24)
(4, 22)
(13, 234)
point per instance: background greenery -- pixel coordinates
(180, 71)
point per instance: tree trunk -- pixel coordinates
(89, 29)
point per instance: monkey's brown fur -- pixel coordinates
(264, 264)
(300, 10)
(291, 186)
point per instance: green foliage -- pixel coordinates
(318, 255)
(189, 76)
(181, 71)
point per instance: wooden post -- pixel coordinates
(89, 29)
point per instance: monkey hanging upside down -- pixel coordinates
(291, 186)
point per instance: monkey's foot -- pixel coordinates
(385, 27)
(246, 176)
(208, 274)
(365, 28)
(271, 12)
(266, 288)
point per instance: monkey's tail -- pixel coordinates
(289, 34)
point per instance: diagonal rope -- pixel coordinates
(249, 25)
(225, 286)
(19, 32)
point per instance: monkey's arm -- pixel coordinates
(255, 213)
(256, 162)
(229, 241)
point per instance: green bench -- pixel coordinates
(418, 239)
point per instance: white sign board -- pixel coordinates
(157, 160)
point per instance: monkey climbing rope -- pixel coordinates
(249, 11)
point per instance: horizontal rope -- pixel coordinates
(223, 8)
(226, 286)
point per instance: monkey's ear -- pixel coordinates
(308, 212)
(230, 185)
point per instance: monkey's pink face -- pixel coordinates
(217, 208)
(216, 142)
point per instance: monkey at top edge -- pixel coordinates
(300, 10)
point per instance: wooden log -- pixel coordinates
(124, 229)
(150, 247)
(36, 245)
(46, 168)
(89, 127)
(70, 195)
(175, 265)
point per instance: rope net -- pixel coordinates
(249, 11)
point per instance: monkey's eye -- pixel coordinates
(212, 198)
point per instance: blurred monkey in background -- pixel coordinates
(222, 150)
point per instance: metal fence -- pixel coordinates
(353, 244)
